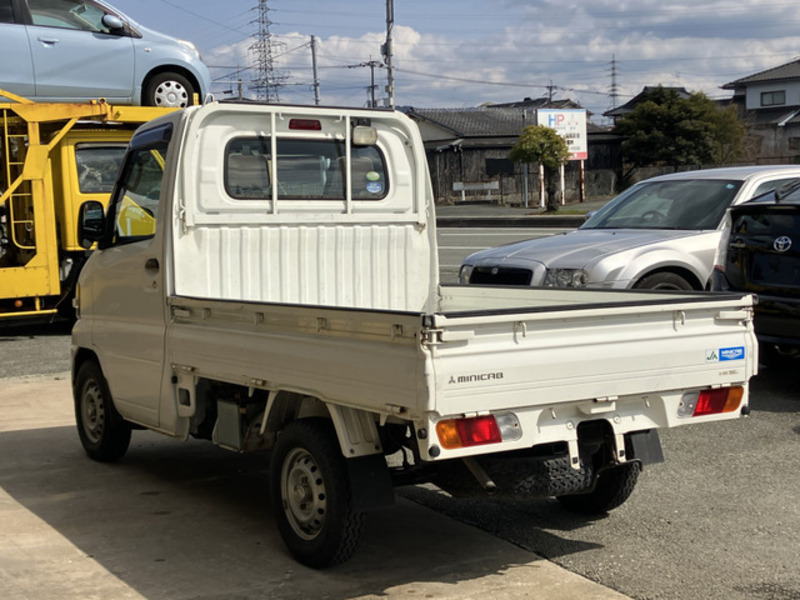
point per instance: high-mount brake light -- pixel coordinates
(305, 124)
(711, 402)
(462, 433)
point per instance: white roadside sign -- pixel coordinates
(570, 124)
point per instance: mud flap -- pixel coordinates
(645, 446)
(370, 483)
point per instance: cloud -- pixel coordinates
(474, 51)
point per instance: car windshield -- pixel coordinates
(691, 204)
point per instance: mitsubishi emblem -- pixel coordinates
(782, 244)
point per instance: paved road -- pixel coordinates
(27, 349)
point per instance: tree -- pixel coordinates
(667, 129)
(542, 145)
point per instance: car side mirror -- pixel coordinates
(113, 22)
(91, 223)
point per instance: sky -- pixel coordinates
(464, 53)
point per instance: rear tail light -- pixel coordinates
(477, 431)
(711, 402)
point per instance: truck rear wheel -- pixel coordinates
(103, 432)
(311, 496)
(613, 487)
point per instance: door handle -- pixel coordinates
(48, 41)
(151, 264)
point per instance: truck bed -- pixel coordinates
(552, 357)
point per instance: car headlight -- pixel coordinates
(191, 47)
(465, 273)
(574, 278)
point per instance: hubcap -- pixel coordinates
(93, 412)
(303, 493)
(171, 94)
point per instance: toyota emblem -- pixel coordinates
(782, 244)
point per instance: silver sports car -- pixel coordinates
(662, 233)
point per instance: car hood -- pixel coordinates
(578, 248)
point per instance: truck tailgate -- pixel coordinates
(603, 352)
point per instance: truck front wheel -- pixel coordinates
(103, 432)
(311, 496)
(613, 487)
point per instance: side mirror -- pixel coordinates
(91, 223)
(113, 22)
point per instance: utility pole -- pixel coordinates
(387, 52)
(314, 68)
(372, 64)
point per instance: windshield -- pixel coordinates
(691, 204)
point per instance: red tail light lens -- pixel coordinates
(461, 433)
(722, 400)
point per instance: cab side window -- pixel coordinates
(136, 199)
(68, 14)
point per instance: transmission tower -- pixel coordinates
(268, 81)
(614, 90)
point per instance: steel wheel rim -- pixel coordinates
(303, 494)
(93, 412)
(172, 94)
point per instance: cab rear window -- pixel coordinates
(304, 170)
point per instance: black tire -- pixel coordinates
(311, 496)
(778, 357)
(169, 90)
(614, 486)
(663, 281)
(105, 435)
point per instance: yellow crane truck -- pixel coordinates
(53, 158)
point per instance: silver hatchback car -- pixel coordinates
(76, 50)
(662, 233)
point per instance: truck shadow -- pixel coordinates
(188, 520)
(38, 328)
(775, 389)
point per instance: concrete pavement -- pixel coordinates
(186, 520)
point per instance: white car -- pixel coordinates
(662, 233)
(77, 50)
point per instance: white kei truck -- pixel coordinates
(266, 277)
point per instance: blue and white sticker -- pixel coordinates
(374, 187)
(725, 354)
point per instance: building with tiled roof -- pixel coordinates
(471, 145)
(624, 109)
(769, 103)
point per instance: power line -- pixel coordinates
(199, 16)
